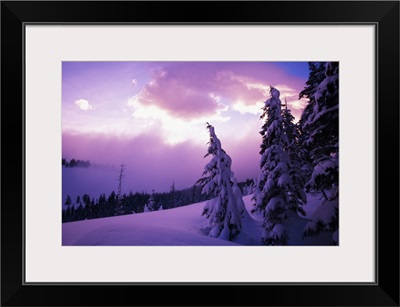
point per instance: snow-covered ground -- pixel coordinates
(177, 226)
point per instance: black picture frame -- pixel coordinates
(383, 14)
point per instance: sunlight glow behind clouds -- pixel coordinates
(154, 119)
(148, 111)
(297, 104)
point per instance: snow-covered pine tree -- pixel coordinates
(316, 76)
(239, 198)
(222, 210)
(297, 196)
(249, 187)
(151, 203)
(274, 182)
(321, 138)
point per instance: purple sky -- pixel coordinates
(151, 115)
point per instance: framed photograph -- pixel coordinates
(239, 152)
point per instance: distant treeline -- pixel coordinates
(86, 207)
(75, 163)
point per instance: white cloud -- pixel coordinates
(216, 98)
(84, 105)
(284, 88)
(264, 89)
(134, 82)
(242, 108)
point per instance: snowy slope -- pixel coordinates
(178, 226)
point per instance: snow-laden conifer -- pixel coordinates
(297, 196)
(322, 133)
(274, 186)
(320, 126)
(150, 206)
(316, 76)
(223, 210)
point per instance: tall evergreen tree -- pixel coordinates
(272, 195)
(322, 137)
(297, 196)
(320, 125)
(222, 210)
(316, 76)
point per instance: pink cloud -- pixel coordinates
(234, 86)
(188, 90)
(177, 91)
